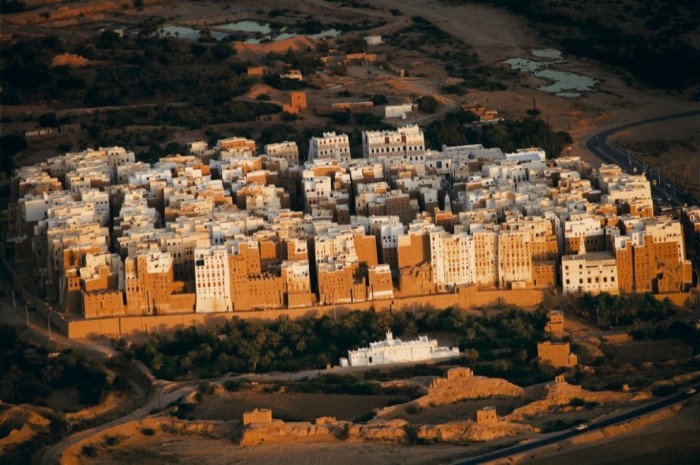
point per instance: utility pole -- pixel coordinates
(48, 321)
(14, 303)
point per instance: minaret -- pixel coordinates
(448, 203)
(581, 246)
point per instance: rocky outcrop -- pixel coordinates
(617, 338)
(255, 51)
(325, 429)
(562, 393)
(380, 431)
(111, 403)
(459, 384)
(210, 429)
(463, 431)
(393, 431)
(279, 432)
(418, 382)
(69, 59)
(679, 379)
(23, 424)
(447, 391)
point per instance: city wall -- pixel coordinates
(465, 299)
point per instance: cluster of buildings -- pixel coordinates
(231, 228)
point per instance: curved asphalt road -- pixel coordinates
(608, 152)
(557, 437)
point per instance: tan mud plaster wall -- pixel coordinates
(464, 299)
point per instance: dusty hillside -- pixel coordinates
(561, 394)
(459, 385)
(22, 423)
(254, 52)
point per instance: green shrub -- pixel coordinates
(428, 104)
(121, 383)
(89, 450)
(413, 409)
(379, 99)
(183, 411)
(235, 385)
(340, 117)
(663, 391)
(113, 440)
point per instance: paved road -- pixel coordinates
(609, 152)
(562, 436)
(18, 315)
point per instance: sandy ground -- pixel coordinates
(649, 351)
(495, 35)
(674, 441)
(168, 449)
(292, 406)
(458, 411)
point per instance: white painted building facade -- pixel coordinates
(592, 272)
(452, 258)
(397, 111)
(212, 279)
(406, 142)
(331, 146)
(373, 40)
(287, 150)
(397, 351)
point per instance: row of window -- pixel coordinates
(596, 280)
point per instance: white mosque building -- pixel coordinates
(396, 351)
